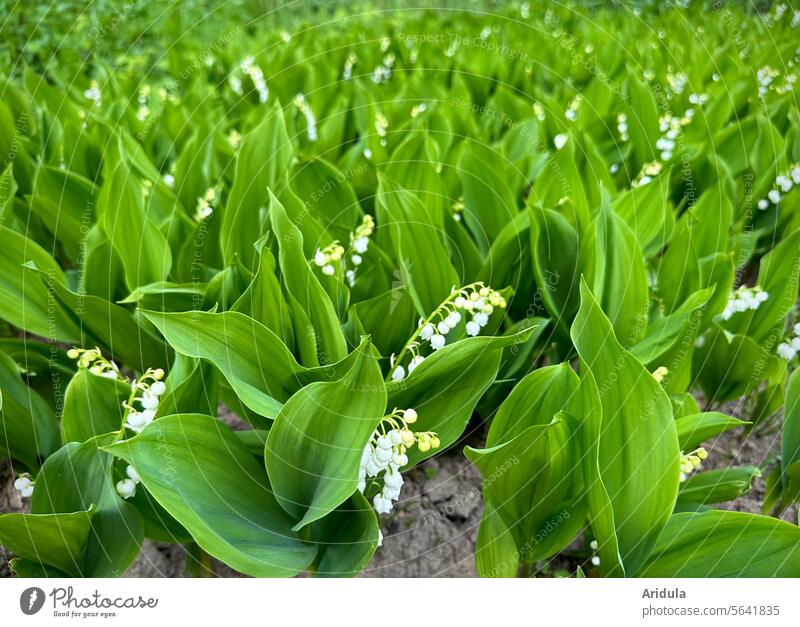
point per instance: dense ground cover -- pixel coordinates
(572, 231)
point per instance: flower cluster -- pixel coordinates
(677, 82)
(347, 72)
(381, 126)
(93, 359)
(151, 388)
(311, 121)
(671, 127)
(234, 138)
(250, 67)
(475, 300)
(325, 257)
(386, 453)
(333, 253)
(93, 93)
(660, 373)
(791, 347)
(765, 76)
(144, 110)
(572, 109)
(457, 208)
(383, 72)
(359, 243)
(784, 183)
(622, 127)
(126, 488)
(24, 485)
(691, 461)
(744, 299)
(649, 170)
(149, 385)
(205, 205)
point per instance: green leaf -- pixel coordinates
(725, 544)
(639, 452)
(695, 429)
(418, 249)
(304, 286)
(555, 256)
(718, 486)
(52, 539)
(496, 551)
(614, 265)
(255, 362)
(489, 204)
(534, 485)
(92, 406)
(445, 388)
(537, 397)
(226, 504)
(790, 438)
(24, 300)
(28, 429)
(79, 477)
(314, 447)
(264, 157)
(104, 323)
(778, 275)
(129, 224)
(667, 331)
(347, 538)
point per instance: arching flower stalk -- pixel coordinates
(140, 410)
(476, 300)
(385, 454)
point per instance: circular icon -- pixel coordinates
(31, 600)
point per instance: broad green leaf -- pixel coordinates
(214, 487)
(79, 477)
(92, 406)
(109, 325)
(328, 194)
(663, 333)
(24, 300)
(614, 266)
(725, 544)
(264, 157)
(418, 250)
(535, 486)
(534, 401)
(143, 249)
(790, 438)
(347, 538)
(694, 429)
(639, 452)
(496, 551)
(556, 266)
(445, 388)
(304, 286)
(28, 429)
(52, 539)
(255, 362)
(314, 447)
(718, 486)
(489, 204)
